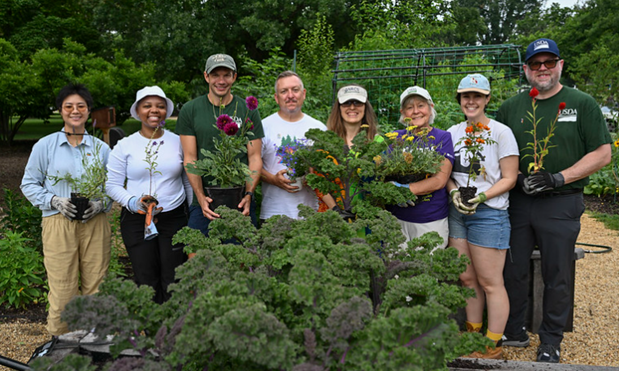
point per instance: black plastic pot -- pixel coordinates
(81, 204)
(405, 179)
(466, 193)
(230, 197)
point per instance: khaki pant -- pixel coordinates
(73, 250)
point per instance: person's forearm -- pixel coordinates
(589, 164)
(267, 177)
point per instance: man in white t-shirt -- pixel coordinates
(280, 195)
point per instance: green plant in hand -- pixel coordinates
(409, 154)
(292, 295)
(22, 274)
(223, 167)
(91, 184)
(350, 175)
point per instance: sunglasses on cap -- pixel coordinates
(550, 64)
(352, 102)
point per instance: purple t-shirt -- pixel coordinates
(433, 206)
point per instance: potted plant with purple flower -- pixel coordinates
(286, 153)
(227, 173)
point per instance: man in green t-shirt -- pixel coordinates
(196, 127)
(546, 205)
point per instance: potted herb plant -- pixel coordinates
(223, 167)
(90, 185)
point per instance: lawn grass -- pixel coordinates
(33, 129)
(611, 221)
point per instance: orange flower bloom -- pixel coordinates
(480, 140)
(469, 129)
(468, 142)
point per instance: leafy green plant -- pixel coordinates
(21, 217)
(293, 295)
(91, 184)
(22, 274)
(409, 154)
(116, 268)
(606, 180)
(350, 175)
(223, 165)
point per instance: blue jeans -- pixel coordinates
(488, 227)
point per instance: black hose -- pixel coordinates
(15, 365)
(605, 249)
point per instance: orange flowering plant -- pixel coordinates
(539, 147)
(476, 137)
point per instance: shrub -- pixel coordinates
(22, 274)
(22, 217)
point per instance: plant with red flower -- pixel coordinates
(539, 147)
(476, 136)
(223, 166)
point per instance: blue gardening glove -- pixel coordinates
(408, 202)
(542, 181)
(457, 201)
(64, 205)
(475, 201)
(134, 205)
(94, 208)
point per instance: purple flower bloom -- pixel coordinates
(222, 121)
(252, 103)
(154, 143)
(94, 123)
(231, 128)
(161, 143)
(162, 124)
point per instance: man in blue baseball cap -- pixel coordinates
(547, 202)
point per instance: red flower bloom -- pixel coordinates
(533, 93)
(222, 121)
(252, 103)
(231, 128)
(561, 106)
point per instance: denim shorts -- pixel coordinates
(488, 227)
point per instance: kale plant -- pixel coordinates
(304, 294)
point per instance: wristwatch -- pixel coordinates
(251, 194)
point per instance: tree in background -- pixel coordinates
(500, 17)
(28, 89)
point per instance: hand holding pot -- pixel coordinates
(94, 208)
(283, 182)
(64, 205)
(475, 201)
(457, 201)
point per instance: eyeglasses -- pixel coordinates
(550, 64)
(70, 107)
(352, 102)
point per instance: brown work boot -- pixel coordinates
(496, 353)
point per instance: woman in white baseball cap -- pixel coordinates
(144, 166)
(481, 229)
(351, 113)
(430, 210)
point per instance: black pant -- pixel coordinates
(154, 261)
(553, 224)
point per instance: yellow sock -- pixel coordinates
(493, 336)
(473, 327)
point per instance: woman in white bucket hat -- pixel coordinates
(144, 166)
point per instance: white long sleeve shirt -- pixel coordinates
(127, 163)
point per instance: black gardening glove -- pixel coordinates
(346, 215)
(542, 181)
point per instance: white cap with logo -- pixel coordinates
(351, 92)
(415, 90)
